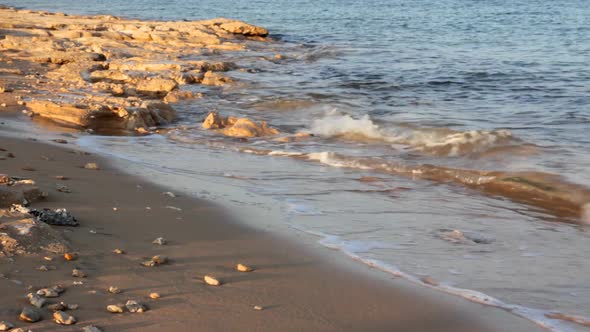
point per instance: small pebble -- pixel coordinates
(134, 306)
(61, 177)
(62, 318)
(115, 308)
(154, 296)
(212, 281)
(170, 194)
(91, 328)
(69, 256)
(91, 166)
(62, 188)
(160, 241)
(60, 141)
(47, 258)
(114, 290)
(257, 307)
(244, 268)
(78, 273)
(119, 251)
(47, 292)
(57, 307)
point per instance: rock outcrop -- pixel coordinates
(109, 73)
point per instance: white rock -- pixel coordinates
(244, 268)
(212, 281)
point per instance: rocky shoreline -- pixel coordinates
(110, 74)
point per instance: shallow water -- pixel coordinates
(449, 137)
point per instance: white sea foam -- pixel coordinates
(439, 141)
(354, 250)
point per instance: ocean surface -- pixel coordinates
(450, 145)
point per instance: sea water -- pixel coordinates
(450, 143)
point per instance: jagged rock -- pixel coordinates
(5, 326)
(59, 217)
(63, 318)
(212, 281)
(134, 306)
(30, 315)
(115, 308)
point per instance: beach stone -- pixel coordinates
(57, 307)
(20, 329)
(154, 296)
(78, 273)
(73, 306)
(259, 308)
(63, 318)
(47, 292)
(119, 251)
(70, 256)
(58, 217)
(91, 166)
(244, 268)
(160, 241)
(36, 300)
(212, 281)
(134, 306)
(91, 328)
(114, 290)
(30, 315)
(57, 288)
(115, 308)
(5, 326)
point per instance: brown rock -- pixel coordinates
(156, 86)
(241, 28)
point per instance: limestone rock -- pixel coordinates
(215, 79)
(235, 127)
(241, 28)
(19, 236)
(63, 318)
(134, 306)
(156, 86)
(30, 315)
(212, 281)
(5, 326)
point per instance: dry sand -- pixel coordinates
(299, 289)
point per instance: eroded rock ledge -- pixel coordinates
(106, 72)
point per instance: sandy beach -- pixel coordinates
(297, 288)
(65, 83)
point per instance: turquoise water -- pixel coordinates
(406, 92)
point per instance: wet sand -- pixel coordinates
(298, 286)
